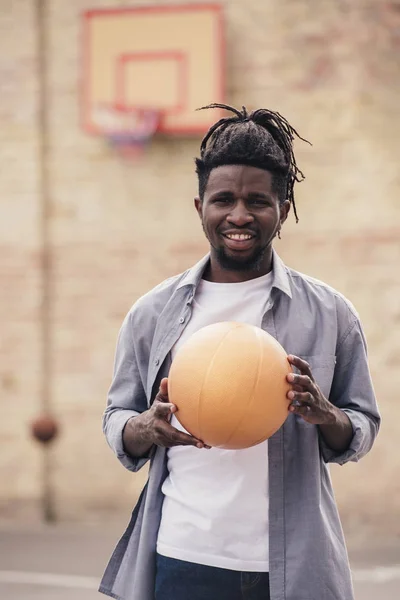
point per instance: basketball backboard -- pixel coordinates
(169, 59)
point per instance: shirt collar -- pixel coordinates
(280, 279)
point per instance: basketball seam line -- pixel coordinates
(255, 381)
(206, 378)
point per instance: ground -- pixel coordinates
(66, 563)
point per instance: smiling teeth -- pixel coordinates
(238, 236)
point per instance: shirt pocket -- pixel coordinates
(323, 369)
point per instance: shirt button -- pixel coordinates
(181, 320)
(157, 362)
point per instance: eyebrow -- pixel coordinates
(260, 195)
(229, 193)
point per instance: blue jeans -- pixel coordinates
(181, 580)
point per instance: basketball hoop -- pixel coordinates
(128, 130)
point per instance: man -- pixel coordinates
(259, 523)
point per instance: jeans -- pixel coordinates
(181, 580)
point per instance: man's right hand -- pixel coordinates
(153, 427)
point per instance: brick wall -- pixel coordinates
(117, 229)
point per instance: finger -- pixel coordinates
(300, 398)
(296, 388)
(303, 381)
(304, 411)
(301, 364)
(162, 395)
(169, 436)
(163, 409)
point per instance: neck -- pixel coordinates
(216, 273)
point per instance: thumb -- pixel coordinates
(163, 392)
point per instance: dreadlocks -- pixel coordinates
(262, 139)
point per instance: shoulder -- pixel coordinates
(321, 291)
(153, 302)
(324, 297)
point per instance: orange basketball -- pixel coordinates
(228, 381)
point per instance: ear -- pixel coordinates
(284, 209)
(199, 206)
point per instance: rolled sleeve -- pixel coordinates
(365, 429)
(352, 391)
(113, 427)
(126, 397)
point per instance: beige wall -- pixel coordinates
(117, 229)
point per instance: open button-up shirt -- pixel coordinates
(308, 558)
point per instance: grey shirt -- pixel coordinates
(308, 558)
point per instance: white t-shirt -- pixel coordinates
(215, 510)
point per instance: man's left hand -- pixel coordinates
(306, 398)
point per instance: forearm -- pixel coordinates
(338, 432)
(136, 442)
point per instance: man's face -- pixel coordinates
(240, 215)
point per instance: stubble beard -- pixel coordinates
(230, 263)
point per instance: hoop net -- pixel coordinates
(128, 130)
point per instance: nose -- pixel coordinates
(239, 215)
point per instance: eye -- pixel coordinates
(223, 200)
(258, 201)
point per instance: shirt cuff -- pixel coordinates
(355, 450)
(114, 430)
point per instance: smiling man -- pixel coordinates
(259, 523)
(241, 242)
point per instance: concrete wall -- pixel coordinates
(333, 69)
